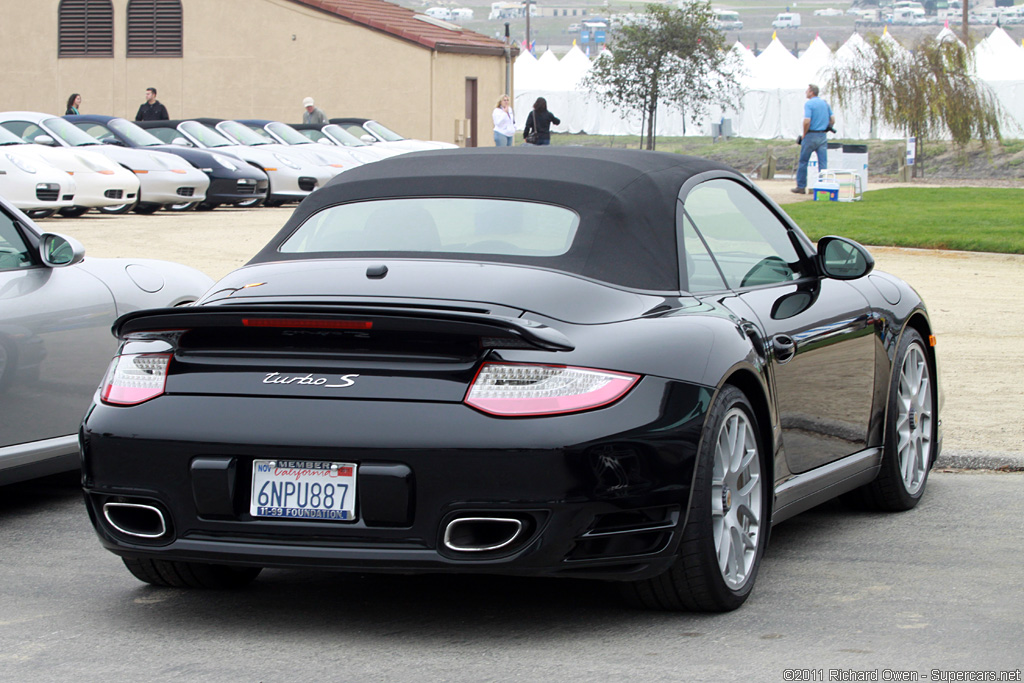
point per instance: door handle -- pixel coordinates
(784, 348)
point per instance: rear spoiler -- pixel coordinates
(502, 331)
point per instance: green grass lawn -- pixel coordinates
(965, 218)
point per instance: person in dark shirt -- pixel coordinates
(539, 120)
(151, 109)
(74, 104)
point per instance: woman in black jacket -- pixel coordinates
(74, 102)
(539, 122)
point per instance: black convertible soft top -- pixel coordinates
(626, 200)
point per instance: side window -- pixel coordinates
(14, 252)
(751, 246)
(96, 130)
(166, 134)
(702, 274)
(24, 130)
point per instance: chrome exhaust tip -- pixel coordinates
(135, 519)
(481, 534)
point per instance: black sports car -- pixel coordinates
(569, 362)
(231, 181)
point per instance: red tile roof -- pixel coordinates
(408, 25)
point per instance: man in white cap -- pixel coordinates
(313, 114)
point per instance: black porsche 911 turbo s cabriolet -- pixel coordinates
(576, 362)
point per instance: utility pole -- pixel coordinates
(528, 3)
(508, 61)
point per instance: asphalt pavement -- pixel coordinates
(842, 595)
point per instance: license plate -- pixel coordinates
(303, 489)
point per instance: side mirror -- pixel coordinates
(843, 259)
(181, 142)
(59, 250)
(326, 142)
(44, 139)
(369, 139)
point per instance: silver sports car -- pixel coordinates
(56, 309)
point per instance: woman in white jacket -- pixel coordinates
(504, 122)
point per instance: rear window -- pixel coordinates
(451, 225)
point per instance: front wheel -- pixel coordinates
(173, 574)
(910, 430)
(727, 526)
(116, 210)
(39, 214)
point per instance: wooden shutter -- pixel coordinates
(154, 28)
(85, 28)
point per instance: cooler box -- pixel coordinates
(825, 191)
(838, 186)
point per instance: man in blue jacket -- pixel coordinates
(818, 120)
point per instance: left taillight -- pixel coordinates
(522, 390)
(135, 378)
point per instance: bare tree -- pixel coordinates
(671, 55)
(928, 92)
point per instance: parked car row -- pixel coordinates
(73, 164)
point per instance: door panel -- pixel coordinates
(822, 355)
(55, 344)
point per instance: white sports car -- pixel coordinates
(29, 182)
(98, 181)
(165, 179)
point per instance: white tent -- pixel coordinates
(524, 71)
(572, 68)
(999, 62)
(774, 84)
(814, 61)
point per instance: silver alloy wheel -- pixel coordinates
(183, 206)
(736, 498)
(117, 209)
(914, 419)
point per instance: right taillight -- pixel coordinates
(523, 390)
(135, 378)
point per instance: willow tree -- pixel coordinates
(927, 92)
(668, 54)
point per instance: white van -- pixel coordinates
(727, 20)
(787, 20)
(909, 16)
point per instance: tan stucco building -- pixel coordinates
(253, 59)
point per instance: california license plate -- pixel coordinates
(303, 489)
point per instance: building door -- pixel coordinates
(471, 112)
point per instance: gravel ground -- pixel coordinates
(974, 300)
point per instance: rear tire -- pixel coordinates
(73, 211)
(207, 206)
(146, 209)
(910, 429)
(40, 214)
(727, 526)
(173, 574)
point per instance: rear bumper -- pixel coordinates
(598, 494)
